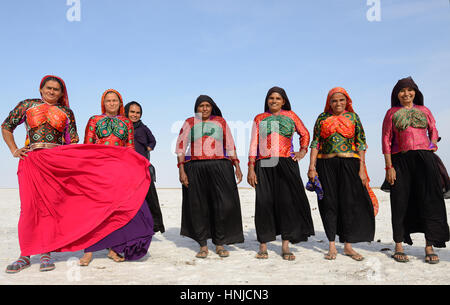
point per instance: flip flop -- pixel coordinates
(202, 254)
(330, 256)
(288, 256)
(357, 257)
(396, 255)
(116, 257)
(430, 261)
(262, 255)
(223, 253)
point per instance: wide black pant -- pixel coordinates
(417, 201)
(346, 208)
(211, 207)
(282, 207)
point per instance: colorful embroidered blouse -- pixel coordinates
(408, 129)
(102, 129)
(207, 140)
(45, 124)
(339, 134)
(272, 135)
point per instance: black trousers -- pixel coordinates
(417, 201)
(346, 208)
(211, 207)
(282, 207)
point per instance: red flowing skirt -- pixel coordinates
(73, 196)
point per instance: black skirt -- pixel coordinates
(155, 209)
(417, 201)
(346, 208)
(282, 207)
(211, 207)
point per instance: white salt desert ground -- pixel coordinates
(171, 260)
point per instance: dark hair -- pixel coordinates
(54, 79)
(127, 107)
(205, 98)
(280, 91)
(406, 82)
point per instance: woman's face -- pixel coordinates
(275, 102)
(338, 102)
(205, 110)
(112, 103)
(134, 113)
(406, 96)
(51, 92)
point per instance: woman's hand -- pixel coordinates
(238, 174)
(183, 177)
(363, 176)
(251, 177)
(21, 153)
(391, 175)
(299, 155)
(312, 173)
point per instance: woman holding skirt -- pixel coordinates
(206, 154)
(69, 195)
(409, 139)
(338, 162)
(282, 207)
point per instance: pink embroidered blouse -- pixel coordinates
(408, 129)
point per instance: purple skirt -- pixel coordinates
(133, 239)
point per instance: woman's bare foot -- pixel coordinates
(430, 256)
(332, 252)
(203, 253)
(115, 256)
(348, 251)
(399, 255)
(86, 259)
(286, 252)
(220, 250)
(262, 253)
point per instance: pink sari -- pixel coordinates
(73, 196)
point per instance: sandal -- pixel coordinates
(397, 257)
(22, 263)
(262, 255)
(430, 260)
(222, 253)
(330, 256)
(84, 262)
(357, 257)
(202, 254)
(116, 257)
(288, 256)
(46, 263)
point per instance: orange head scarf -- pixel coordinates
(121, 107)
(64, 100)
(348, 107)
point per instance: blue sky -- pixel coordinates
(166, 53)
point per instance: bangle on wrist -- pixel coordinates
(388, 167)
(16, 151)
(178, 165)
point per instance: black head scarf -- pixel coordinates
(204, 98)
(287, 104)
(407, 82)
(127, 110)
